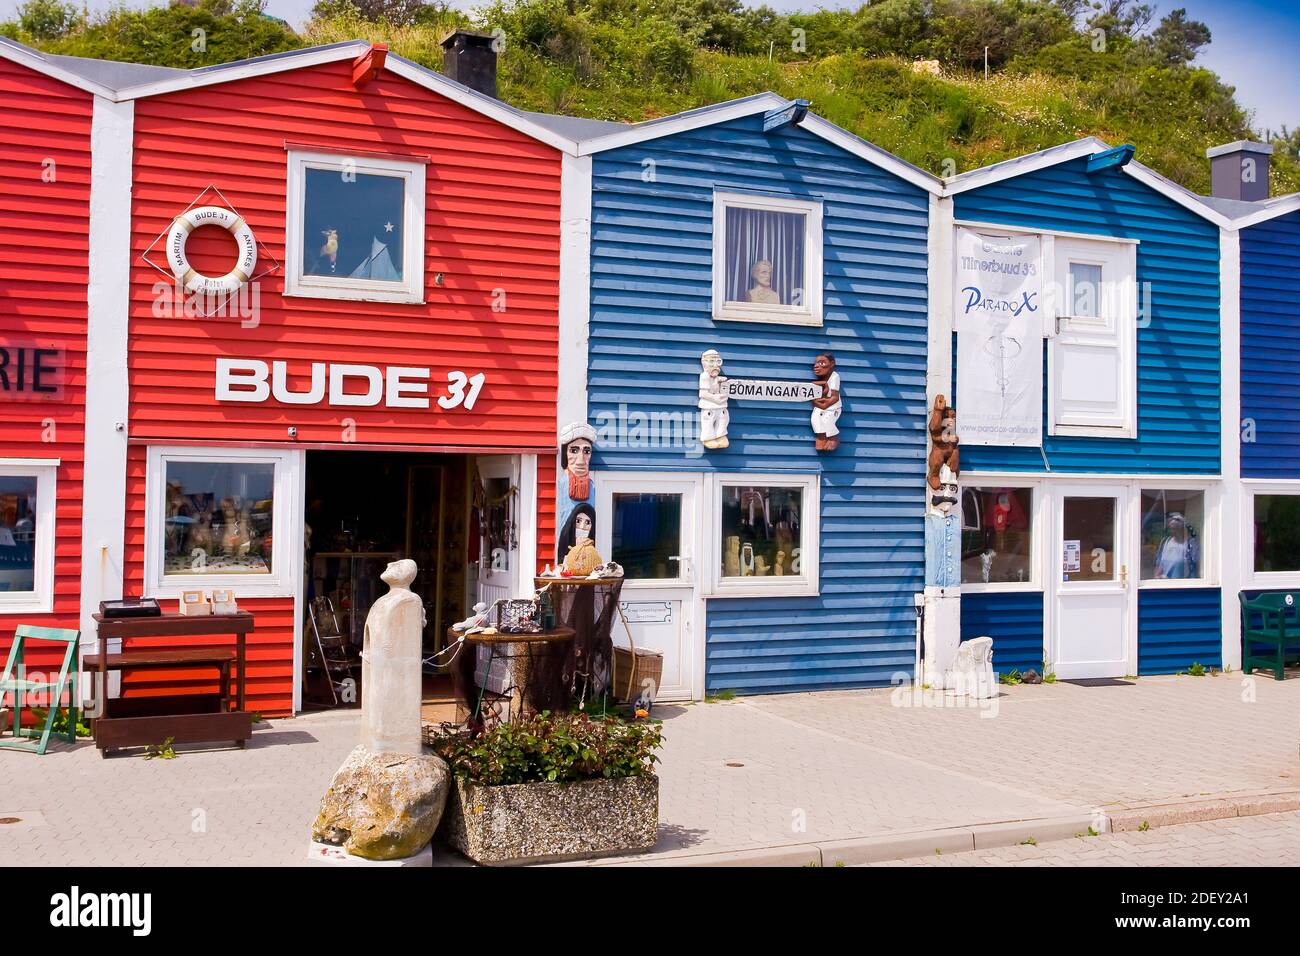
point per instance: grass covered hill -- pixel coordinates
(1058, 69)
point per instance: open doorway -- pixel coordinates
(363, 510)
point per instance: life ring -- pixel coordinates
(179, 234)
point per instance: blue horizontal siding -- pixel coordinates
(1270, 347)
(1178, 352)
(1014, 619)
(1178, 628)
(651, 318)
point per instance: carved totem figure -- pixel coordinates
(714, 416)
(826, 410)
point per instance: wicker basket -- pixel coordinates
(632, 668)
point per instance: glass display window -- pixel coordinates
(767, 259)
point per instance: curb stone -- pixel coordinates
(1199, 811)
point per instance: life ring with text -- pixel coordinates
(179, 234)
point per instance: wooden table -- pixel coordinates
(464, 675)
(134, 721)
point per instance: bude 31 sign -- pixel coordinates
(344, 385)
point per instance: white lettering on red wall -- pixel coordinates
(343, 385)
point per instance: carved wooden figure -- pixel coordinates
(826, 410)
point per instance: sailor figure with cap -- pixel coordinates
(714, 416)
(577, 439)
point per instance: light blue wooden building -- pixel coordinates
(759, 230)
(1097, 550)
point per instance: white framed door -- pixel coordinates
(499, 512)
(1092, 582)
(650, 524)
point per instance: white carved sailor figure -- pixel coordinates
(714, 415)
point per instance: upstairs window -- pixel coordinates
(767, 259)
(355, 228)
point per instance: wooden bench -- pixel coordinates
(1272, 619)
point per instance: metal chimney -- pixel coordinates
(470, 59)
(1239, 170)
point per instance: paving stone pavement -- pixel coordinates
(812, 768)
(1265, 840)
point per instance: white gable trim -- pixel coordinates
(749, 106)
(34, 61)
(1284, 206)
(1022, 165)
(275, 63)
(1171, 190)
(684, 122)
(873, 154)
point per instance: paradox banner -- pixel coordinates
(999, 292)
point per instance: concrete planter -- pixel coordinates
(549, 822)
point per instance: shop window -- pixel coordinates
(216, 519)
(997, 536)
(1277, 533)
(646, 535)
(767, 535)
(767, 257)
(355, 229)
(1088, 548)
(1093, 350)
(26, 536)
(1173, 530)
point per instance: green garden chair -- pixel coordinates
(21, 687)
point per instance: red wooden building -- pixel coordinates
(375, 375)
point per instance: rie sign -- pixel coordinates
(998, 305)
(769, 391)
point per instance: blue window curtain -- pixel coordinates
(755, 235)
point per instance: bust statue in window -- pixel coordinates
(761, 291)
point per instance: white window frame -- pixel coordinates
(810, 313)
(39, 600)
(1265, 580)
(805, 584)
(1209, 578)
(411, 289)
(1102, 251)
(1038, 520)
(286, 524)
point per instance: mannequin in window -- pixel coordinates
(1179, 554)
(761, 291)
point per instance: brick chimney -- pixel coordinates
(1239, 170)
(470, 59)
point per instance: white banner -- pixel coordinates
(998, 305)
(768, 391)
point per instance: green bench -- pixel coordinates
(1270, 619)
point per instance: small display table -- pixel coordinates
(134, 721)
(472, 696)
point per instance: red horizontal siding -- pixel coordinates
(491, 223)
(44, 270)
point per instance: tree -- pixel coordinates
(1176, 41)
(1120, 18)
(49, 19)
(398, 13)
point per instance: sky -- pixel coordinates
(1255, 46)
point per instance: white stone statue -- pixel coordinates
(971, 672)
(391, 662)
(714, 416)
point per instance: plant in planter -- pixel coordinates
(554, 787)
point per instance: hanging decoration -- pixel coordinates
(999, 338)
(943, 498)
(826, 408)
(714, 416)
(179, 234)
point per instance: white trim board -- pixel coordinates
(103, 494)
(1029, 231)
(1281, 206)
(32, 59)
(575, 289)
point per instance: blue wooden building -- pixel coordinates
(760, 231)
(1094, 551)
(1261, 385)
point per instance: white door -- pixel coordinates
(1090, 568)
(498, 513)
(1092, 371)
(649, 523)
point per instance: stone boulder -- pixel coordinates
(383, 805)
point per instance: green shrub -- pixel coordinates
(558, 748)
